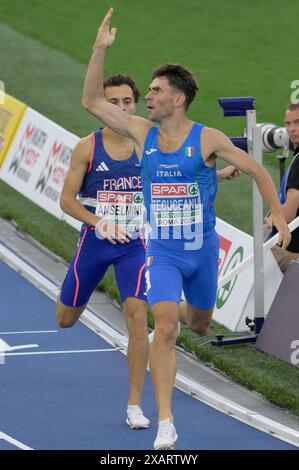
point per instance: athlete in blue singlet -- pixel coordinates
(105, 172)
(178, 171)
(179, 190)
(112, 191)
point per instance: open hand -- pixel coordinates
(105, 37)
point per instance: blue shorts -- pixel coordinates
(195, 272)
(91, 261)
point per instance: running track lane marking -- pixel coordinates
(75, 351)
(204, 394)
(14, 442)
(4, 346)
(26, 332)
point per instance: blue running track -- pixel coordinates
(77, 400)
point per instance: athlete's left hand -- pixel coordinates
(280, 223)
(112, 232)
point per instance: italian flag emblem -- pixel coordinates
(149, 260)
(189, 151)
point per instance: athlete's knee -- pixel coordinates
(65, 317)
(202, 330)
(166, 331)
(201, 327)
(136, 321)
(199, 320)
(65, 321)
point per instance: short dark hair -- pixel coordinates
(120, 79)
(293, 106)
(179, 77)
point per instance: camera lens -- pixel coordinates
(274, 137)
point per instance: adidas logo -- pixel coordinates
(102, 167)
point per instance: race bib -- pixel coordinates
(175, 204)
(122, 208)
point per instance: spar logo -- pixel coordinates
(119, 197)
(115, 197)
(226, 264)
(174, 189)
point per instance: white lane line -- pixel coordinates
(51, 290)
(26, 332)
(4, 346)
(14, 442)
(75, 351)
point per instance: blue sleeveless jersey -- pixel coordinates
(112, 188)
(179, 189)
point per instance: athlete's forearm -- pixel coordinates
(93, 90)
(104, 229)
(223, 148)
(267, 189)
(94, 101)
(75, 209)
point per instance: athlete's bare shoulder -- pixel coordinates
(210, 133)
(209, 141)
(83, 149)
(141, 127)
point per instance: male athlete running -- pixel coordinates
(179, 182)
(105, 172)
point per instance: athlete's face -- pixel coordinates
(292, 125)
(161, 100)
(122, 96)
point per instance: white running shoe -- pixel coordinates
(136, 419)
(152, 334)
(166, 435)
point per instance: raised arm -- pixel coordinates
(93, 98)
(216, 143)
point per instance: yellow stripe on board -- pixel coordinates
(11, 114)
